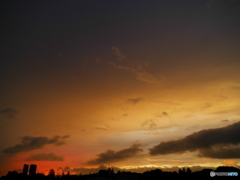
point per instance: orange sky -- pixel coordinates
(108, 81)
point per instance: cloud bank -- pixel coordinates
(114, 156)
(29, 143)
(45, 157)
(214, 143)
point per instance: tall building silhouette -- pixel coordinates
(25, 169)
(33, 169)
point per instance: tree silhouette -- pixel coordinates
(189, 171)
(51, 173)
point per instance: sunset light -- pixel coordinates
(119, 86)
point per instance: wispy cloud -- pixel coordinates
(119, 54)
(29, 143)
(150, 124)
(115, 156)
(103, 127)
(149, 77)
(138, 69)
(45, 157)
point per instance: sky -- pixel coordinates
(132, 84)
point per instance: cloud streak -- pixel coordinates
(140, 73)
(114, 156)
(215, 143)
(45, 157)
(29, 143)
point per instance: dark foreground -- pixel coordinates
(223, 171)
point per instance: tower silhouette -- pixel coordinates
(25, 169)
(33, 169)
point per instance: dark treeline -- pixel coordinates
(109, 174)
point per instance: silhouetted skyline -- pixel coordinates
(109, 174)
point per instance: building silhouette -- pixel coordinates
(33, 169)
(25, 169)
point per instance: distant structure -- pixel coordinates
(33, 169)
(25, 169)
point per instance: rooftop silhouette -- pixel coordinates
(109, 174)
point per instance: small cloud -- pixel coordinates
(150, 124)
(115, 119)
(125, 115)
(164, 113)
(101, 128)
(115, 156)
(135, 100)
(225, 120)
(29, 143)
(45, 157)
(149, 77)
(9, 112)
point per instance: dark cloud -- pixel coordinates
(9, 112)
(135, 100)
(114, 156)
(225, 120)
(125, 115)
(221, 152)
(45, 157)
(101, 128)
(220, 140)
(29, 143)
(164, 113)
